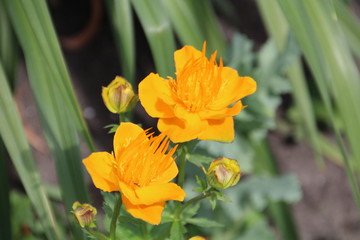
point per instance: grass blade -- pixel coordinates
(15, 141)
(121, 17)
(50, 83)
(158, 32)
(185, 23)
(278, 29)
(206, 18)
(321, 40)
(8, 46)
(350, 25)
(36, 19)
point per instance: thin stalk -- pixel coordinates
(114, 218)
(206, 194)
(97, 234)
(144, 230)
(120, 117)
(182, 165)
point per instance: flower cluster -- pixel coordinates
(198, 104)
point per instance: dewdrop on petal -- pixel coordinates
(119, 96)
(85, 214)
(223, 173)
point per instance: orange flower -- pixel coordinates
(140, 169)
(201, 101)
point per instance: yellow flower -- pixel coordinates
(85, 214)
(201, 101)
(197, 238)
(223, 173)
(119, 96)
(140, 169)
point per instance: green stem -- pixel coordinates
(97, 234)
(120, 118)
(206, 194)
(182, 164)
(114, 218)
(144, 231)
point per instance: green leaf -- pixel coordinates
(113, 127)
(35, 31)
(202, 183)
(177, 230)
(258, 230)
(203, 222)
(185, 23)
(19, 150)
(198, 159)
(191, 211)
(122, 20)
(258, 190)
(203, 12)
(239, 149)
(8, 46)
(278, 29)
(322, 41)
(240, 54)
(158, 32)
(59, 110)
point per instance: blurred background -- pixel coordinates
(297, 142)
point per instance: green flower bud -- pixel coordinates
(223, 173)
(85, 214)
(119, 96)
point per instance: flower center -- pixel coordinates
(143, 160)
(198, 83)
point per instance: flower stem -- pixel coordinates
(114, 218)
(201, 196)
(144, 231)
(182, 164)
(97, 234)
(120, 118)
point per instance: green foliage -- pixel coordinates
(259, 190)
(122, 20)
(13, 135)
(112, 127)
(258, 229)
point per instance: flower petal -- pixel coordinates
(219, 130)
(233, 88)
(160, 192)
(148, 213)
(225, 112)
(125, 133)
(185, 127)
(183, 55)
(156, 96)
(105, 97)
(169, 174)
(99, 166)
(129, 193)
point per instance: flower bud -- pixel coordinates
(223, 173)
(85, 214)
(197, 238)
(119, 96)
